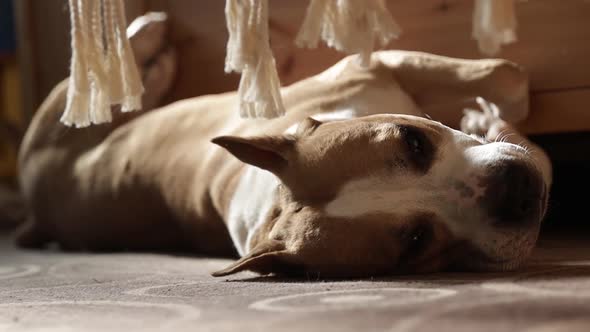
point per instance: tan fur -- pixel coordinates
(154, 180)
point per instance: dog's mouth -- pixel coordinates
(544, 201)
(461, 256)
(466, 257)
(487, 264)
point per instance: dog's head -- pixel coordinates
(388, 194)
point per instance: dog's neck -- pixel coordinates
(254, 194)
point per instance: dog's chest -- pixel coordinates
(250, 205)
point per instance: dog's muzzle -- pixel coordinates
(514, 195)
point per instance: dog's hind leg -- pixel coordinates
(442, 87)
(49, 150)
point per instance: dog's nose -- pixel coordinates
(513, 195)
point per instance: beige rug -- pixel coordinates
(56, 291)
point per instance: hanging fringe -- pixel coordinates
(494, 24)
(103, 70)
(249, 53)
(132, 84)
(349, 26)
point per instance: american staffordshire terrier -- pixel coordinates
(353, 181)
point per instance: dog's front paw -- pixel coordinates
(158, 78)
(148, 36)
(475, 122)
(155, 56)
(481, 122)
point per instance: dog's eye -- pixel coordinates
(419, 148)
(418, 239)
(414, 140)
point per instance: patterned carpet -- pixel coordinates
(56, 291)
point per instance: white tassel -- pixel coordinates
(132, 84)
(113, 62)
(249, 53)
(100, 107)
(349, 26)
(103, 70)
(494, 24)
(311, 29)
(78, 102)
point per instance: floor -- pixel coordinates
(56, 291)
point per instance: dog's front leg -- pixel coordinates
(155, 56)
(442, 87)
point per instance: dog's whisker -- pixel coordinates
(500, 136)
(522, 144)
(506, 137)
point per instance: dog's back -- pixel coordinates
(119, 185)
(149, 180)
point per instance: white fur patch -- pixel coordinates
(378, 194)
(250, 205)
(340, 115)
(343, 114)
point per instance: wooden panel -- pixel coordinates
(552, 45)
(25, 56)
(553, 36)
(50, 24)
(199, 34)
(554, 112)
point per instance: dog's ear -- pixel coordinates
(271, 153)
(268, 257)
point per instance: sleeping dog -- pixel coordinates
(352, 181)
